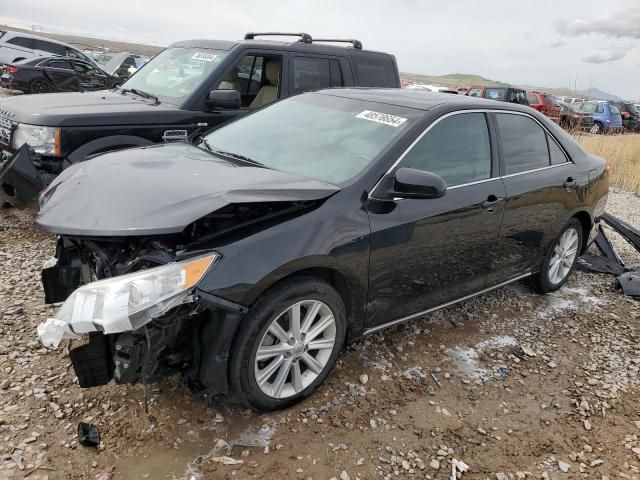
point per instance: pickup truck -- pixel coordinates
(183, 91)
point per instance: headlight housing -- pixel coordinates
(127, 302)
(43, 140)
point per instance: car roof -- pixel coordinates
(421, 99)
(38, 37)
(297, 46)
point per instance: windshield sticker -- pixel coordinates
(385, 118)
(204, 56)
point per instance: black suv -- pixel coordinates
(187, 88)
(630, 116)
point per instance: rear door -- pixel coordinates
(426, 252)
(540, 184)
(60, 73)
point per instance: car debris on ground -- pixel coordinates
(628, 276)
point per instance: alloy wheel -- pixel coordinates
(595, 128)
(564, 255)
(40, 86)
(295, 349)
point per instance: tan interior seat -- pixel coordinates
(269, 92)
(231, 81)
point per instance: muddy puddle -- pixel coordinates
(208, 438)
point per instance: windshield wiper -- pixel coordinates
(140, 93)
(235, 156)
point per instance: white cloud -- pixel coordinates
(606, 55)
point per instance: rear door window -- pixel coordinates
(58, 63)
(374, 70)
(456, 148)
(49, 47)
(524, 143)
(310, 73)
(21, 42)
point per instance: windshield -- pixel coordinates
(495, 93)
(319, 136)
(176, 72)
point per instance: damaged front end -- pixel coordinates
(20, 179)
(134, 314)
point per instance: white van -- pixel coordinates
(16, 46)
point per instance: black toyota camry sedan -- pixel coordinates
(245, 262)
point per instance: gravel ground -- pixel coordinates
(513, 384)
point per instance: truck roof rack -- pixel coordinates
(304, 37)
(357, 44)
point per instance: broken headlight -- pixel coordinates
(43, 140)
(126, 302)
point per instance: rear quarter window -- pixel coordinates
(374, 70)
(532, 99)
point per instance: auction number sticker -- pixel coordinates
(385, 118)
(204, 56)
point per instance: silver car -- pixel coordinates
(15, 46)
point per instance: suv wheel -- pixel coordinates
(288, 344)
(596, 128)
(560, 259)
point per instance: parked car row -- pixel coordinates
(33, 64)
(245, 257)
(572, 113)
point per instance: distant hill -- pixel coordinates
(452, 79)
(466, 80)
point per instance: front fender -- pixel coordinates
(100, 145)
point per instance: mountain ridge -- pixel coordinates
(466, 80)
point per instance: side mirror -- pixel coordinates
(412, 183)
(224, 99)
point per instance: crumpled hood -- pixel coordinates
(104, 107)
(160, 189)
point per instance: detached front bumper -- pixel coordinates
(20, 180)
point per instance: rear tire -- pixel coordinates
(276, 361)
(560, 259)
(596, 128)
(40, 85)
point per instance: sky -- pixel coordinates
(547, 43)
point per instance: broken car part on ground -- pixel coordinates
(245, 263)
(609, 262)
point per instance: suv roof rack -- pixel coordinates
(357, 44)
(304, 37)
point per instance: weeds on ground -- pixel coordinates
(622, 153)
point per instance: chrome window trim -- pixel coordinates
(475, 110)
(444, 305)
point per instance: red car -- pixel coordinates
(546, 104)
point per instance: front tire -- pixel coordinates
(287, 345)
(560, 259)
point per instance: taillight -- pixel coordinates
(12, 69)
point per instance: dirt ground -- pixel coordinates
(513, 384)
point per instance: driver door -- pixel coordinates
(90, 78)
(427, 252)
(250, 78)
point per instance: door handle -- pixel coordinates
(491, 202)
(570, 182)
